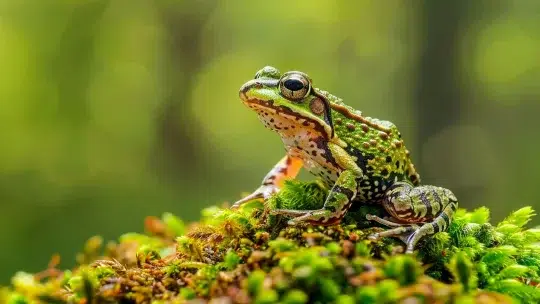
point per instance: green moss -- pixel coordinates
(187, 293)
(295, 296)
(250, 256)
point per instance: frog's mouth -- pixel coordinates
(283, 120)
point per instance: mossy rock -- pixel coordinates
(248, 256)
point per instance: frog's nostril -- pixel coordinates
(249, 85)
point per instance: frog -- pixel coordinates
(360, 159)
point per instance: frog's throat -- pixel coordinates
(324, 129)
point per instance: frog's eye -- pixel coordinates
(294, 86)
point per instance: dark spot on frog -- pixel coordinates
(271, 120)
(397, 163)
(388, 159)
(384, 172)
(305, 123)
(364, 127)
(338, 121)
(383, 135)
(350, 126)
(314, 152)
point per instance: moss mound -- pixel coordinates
(247, 256)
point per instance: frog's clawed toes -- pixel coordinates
(370, 217)
(263, 192)
(297, 214)
(291, 222)
(302, 218)
(319, 216)
(404, 234)
(288, 212)
(374, 237)
(408, 233)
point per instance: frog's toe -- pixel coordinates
(263, 192)
(251, 197)
(302, 218)
(288, 212)
(405, 233)
(292, 222)
(418, 234)
(374, 236)
(316, 217)
(297, 214)
(385, 222)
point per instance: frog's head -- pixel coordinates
(287, 102)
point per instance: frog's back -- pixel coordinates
(376, 144)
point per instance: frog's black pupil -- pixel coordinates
(293, 84)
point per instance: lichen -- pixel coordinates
(250, 256)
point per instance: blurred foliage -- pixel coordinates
(114, 110)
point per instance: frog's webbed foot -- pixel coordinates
(402, 231)
(263, 192)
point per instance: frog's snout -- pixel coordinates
(248, 86)
(255, 84)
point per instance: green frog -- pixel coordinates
(361, 159)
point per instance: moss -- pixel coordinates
(249, 256)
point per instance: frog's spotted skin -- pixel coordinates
(362, 159)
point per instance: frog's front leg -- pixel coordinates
(286, 168)
(336, 205)
(339, 198)
(424, 210)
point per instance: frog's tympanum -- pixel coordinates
(361, 159)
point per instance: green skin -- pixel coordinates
(361, 159)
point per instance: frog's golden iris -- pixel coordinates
(294, 86)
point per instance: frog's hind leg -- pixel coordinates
(286, 168)
(424, 210)
(336, 205)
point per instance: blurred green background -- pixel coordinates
(114, 110)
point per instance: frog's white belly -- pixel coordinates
(303, 146)
(299, 137)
